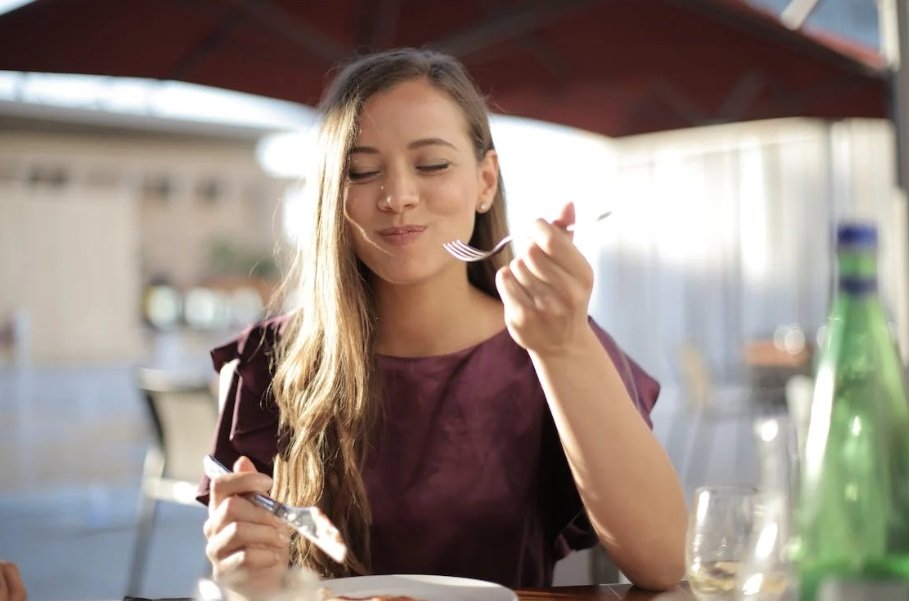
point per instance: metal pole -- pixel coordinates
(894, 33)
(894, 47)
(797, 12)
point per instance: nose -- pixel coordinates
(398, 191)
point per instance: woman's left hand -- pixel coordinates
(11, 585)
(546, 289)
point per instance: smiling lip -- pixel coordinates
(403, 234)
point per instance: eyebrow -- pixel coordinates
(412, 146)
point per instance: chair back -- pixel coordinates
(695, 377)
(184, 413)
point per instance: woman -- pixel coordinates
(450, 418)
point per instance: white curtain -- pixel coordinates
(718, 235)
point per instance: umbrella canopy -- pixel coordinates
(614, 67)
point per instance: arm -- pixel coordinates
(625, 479)
(635, 504)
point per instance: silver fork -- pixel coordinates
(308, 521)
(465, 252)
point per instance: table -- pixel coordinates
(593, 592)
(770, 366)
(604, 592)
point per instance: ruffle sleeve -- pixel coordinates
(574, 529)
(248, 420)
(642, 388)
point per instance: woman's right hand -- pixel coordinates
(242, 537)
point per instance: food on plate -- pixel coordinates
(330, 597)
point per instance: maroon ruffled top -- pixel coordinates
(466, 475)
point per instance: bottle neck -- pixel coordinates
(857, 270)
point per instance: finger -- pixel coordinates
(558, 244)
(4, 587)
(513, 295)
(544, 268)
(570, 290)
(253, 558)
(559, 248)
(243, 481)
(227, 486)
(238, 509)
(241, 535)
(12, 585)
(244, 464)
(541, 294)
(566, 216)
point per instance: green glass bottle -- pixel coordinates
(853, 510)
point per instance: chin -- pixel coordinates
(406, 273)
(402, 279)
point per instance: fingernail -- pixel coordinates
(284, 536)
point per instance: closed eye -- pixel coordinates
(359, 176)
(434, 167)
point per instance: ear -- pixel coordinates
(488, 175)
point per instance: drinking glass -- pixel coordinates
(767, 574)
(296, 584)
(719, 531)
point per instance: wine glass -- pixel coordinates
(719, 531)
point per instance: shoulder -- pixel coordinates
(253, 350)
(254, 342)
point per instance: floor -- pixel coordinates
(72, 442)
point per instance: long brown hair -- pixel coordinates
(325, 379)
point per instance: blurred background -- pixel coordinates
(152, 156)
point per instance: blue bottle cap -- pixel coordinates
(856, 234)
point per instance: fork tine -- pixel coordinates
(475, 254)
(463, 252)
(468, 251)
(453, 250)
(463, 255)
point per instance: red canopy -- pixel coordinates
(616, 67)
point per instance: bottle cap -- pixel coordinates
(856, 234)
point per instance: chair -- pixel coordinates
(708, 407)
(183, 414)
(799, 393)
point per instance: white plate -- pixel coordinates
(427, 588)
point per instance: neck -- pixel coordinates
(433, 318)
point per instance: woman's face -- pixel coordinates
(414, 182)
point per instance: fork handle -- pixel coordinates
(213, 467)
(576, 224)
(264, 501)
